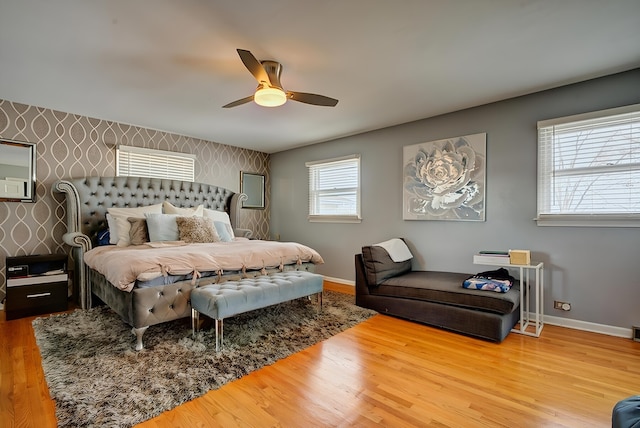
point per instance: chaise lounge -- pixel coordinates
(433, 298)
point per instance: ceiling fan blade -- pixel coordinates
(254, 66)
(239, 102)
(315, 99)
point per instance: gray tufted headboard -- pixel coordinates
(88, 199)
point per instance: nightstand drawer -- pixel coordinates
(36, 299)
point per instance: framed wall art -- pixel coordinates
(445, 179)
(253, 186)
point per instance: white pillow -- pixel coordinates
(169, 208)
(138, 212)
(113, 229)
(216, 215)
(123, 228)
(162, 227)
(220, 217)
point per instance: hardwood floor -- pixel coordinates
(386, 372)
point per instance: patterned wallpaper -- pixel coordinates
(70, 146)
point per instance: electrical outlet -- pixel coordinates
(563, 306)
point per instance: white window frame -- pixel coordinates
(584, 128)
(315, 194)
(142, 162)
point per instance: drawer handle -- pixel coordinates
(29, 296)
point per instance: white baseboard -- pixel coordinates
(340, 280)
(548, 319)
(589, 326)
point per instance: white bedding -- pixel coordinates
(122, 266)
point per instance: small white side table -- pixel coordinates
(527, 318)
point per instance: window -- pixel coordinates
(589, 169)
(334, 190)
(140, 162)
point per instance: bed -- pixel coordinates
(162, 294)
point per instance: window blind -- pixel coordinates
(589, 169)
(334, 189)
(141, 162)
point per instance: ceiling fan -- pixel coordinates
(269, 92)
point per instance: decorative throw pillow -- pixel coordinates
(222, 217)
(378, 265)
(102, 238)
(113, 212)
(162, 227)
(169, 208)
(196, 230)
(225, 231)
(138, 233)
(123, 227)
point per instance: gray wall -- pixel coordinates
(592, 268)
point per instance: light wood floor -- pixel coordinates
(383, 372)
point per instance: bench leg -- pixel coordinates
(195, 322)
(219, 326)
(318, 299)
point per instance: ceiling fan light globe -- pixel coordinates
(270, 97)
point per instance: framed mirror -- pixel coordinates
(253, 186)
(17, 171)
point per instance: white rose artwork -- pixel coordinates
(445, 179)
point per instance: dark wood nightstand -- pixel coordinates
(36, 285)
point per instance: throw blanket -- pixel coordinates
(494, 280)
(123, 265)
(397, 249)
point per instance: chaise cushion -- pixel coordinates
(378, 265)
(446, 288)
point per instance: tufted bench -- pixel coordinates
(226, 299)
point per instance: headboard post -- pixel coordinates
(234, 214)
(79, 242)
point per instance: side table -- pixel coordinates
(527, 318)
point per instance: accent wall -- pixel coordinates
(70, 146)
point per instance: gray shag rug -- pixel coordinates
(96, 378)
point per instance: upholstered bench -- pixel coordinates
(226, 299)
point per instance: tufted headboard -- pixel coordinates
(88, 198)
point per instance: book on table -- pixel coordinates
(494, 253)
(492, 257)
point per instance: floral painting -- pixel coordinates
(445, 179)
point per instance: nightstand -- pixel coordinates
(36, 285)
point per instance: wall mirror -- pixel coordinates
(17, 171)
(253, 186)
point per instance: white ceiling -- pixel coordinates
(170, 65)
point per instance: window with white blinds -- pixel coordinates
(334, 190)
(589, 169)
(141, 162)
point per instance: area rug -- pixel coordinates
(96, 378)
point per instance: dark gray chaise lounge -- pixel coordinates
(433, 298)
